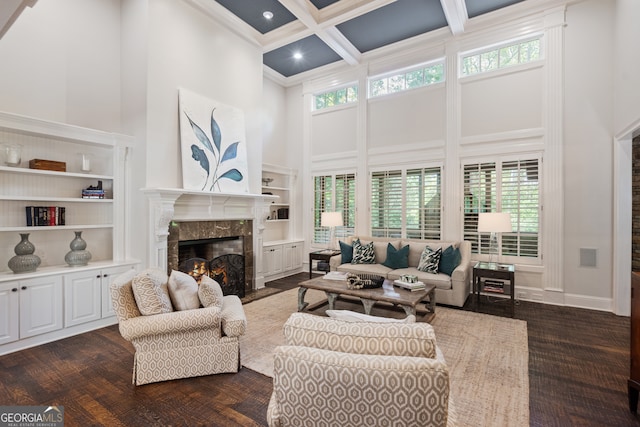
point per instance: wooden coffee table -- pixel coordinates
(408, 300)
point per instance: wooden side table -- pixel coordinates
(323, 255)
(492, 270)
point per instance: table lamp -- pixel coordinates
(331, 220)
(494, 223)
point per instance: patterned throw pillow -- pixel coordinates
(363, 254)
(210, 292)
(429, 260)
(183, 290)
(150, 292)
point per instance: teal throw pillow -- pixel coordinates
(449, 260)
(363, 254)
(346, 251)
(397, 258)
(429, 260)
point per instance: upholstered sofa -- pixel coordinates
(451, 289)
(332, 372)
(178, 343)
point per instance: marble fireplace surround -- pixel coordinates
(221, 212)
(200, 230)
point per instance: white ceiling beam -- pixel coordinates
(303, 10)
(456, 13)
(342, 11)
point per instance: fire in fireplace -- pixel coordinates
(221, 259)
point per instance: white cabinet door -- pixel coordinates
(9, 312)
(272, 260)
(292, 256)
(108, 275)
(82, 297)
(40, 305)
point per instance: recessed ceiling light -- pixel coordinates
(297, 56)
(267, 14)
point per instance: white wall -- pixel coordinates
(61, 62)
(190, 50)
(274, 129)
(588, 134)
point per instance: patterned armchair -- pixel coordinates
(332, 372)
(179, 344)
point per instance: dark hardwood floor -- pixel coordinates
(578, 368)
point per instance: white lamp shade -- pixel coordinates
(494, 222)
(331, 219)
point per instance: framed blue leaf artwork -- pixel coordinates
(213, 145)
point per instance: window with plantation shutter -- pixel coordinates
(406, 203)
(422, 207)
(322, 201)
(479, 196)
(507, 186)
(334, 193)
(520, 197)
(346, 203)
(386, 203)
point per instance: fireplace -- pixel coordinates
(220, 258)
(221, 249)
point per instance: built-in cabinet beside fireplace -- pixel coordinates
(282, 251)
(56, 300)
(282, 258)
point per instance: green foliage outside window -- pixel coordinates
(345, 95)
(501, 57)
(418, 77)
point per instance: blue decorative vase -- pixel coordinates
(24, 261)
(78, 255)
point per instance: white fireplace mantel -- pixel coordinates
(175, 204)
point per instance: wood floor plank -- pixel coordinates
(578, 368)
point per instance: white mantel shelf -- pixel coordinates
(177, 192)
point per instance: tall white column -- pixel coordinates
(553, 219)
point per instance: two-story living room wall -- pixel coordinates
(117, 66)
(557, 111)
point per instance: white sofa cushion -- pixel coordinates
(377, 269)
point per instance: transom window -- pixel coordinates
(501, 57)
(345, 95)
(406, 203)
(334, 193)
(420, 76)
(509, 186)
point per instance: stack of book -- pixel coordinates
(45, 215)
(493, 286)
(92, 194)
(416, 286)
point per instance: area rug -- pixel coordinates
(487, 355)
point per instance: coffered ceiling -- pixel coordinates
(302, 35)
